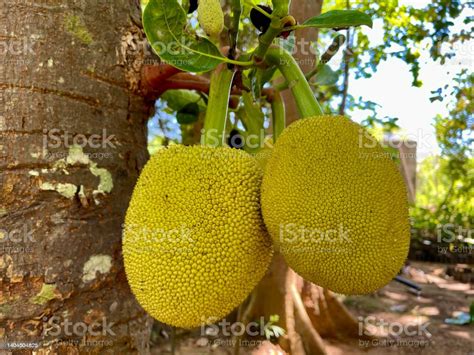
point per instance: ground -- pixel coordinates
(393, 310)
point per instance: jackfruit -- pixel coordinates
(211, 17)
(263, 156)
(336, 205)
(194, 243)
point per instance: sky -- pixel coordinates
(391, 88)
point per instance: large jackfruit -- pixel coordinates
(336, 205)
(194, 240)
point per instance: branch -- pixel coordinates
(345, 90)
(236, 7)
(153, 76)
(183, 81)
(347, 55)
(157, 79)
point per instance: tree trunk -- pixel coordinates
(69, 69)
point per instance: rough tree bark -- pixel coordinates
(71, 66)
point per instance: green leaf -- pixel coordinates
(278, 331)
(188, 114)
(186, 118)
(274, 318)
(339, 19)
(178, 99)
(164, 22)
(326, 76)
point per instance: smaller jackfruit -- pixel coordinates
(211, 17)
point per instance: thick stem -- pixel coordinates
(278, 115)
(325, 58)
(218, 106)
(236, 7)
(281, 9)
(307, 104)
(281, 6)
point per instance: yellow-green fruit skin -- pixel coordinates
(211, 17)
(194, 241)
(336, 205)
(263, 156)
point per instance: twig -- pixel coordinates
(173, 340)
(347, 55)
(336, 44)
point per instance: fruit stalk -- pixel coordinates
(278, 115)
(280, 18)
(236, 7)
(308, 105)
(281, 6)
(217, 107)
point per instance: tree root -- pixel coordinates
(308, 313)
